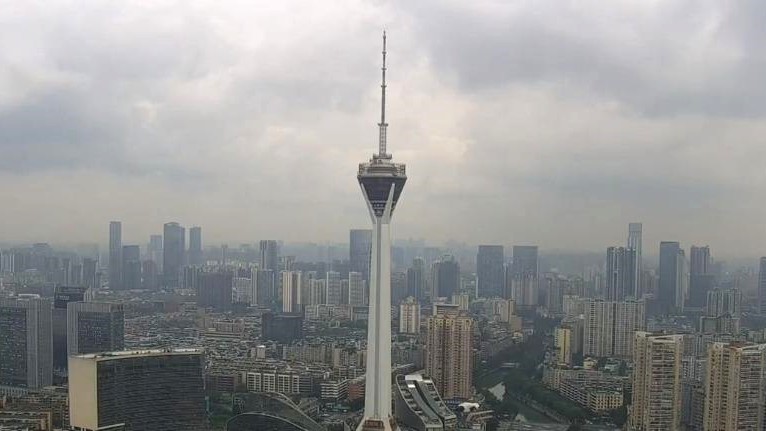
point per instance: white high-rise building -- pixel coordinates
(734, 392)
(609, 327)
(635, 232)
(291, 291)
(334, 292)
(356, 289)
(409, 316)
(382, 182)
(656, 395)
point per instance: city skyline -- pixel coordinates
(148, 130)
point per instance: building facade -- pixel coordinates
(656, 396)
(734, 393)
(94, 327)
(115, 254)
(173, 250)
(157, 390)
(489, 271)
(449, 355)
(26, 343)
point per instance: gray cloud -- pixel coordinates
(536, 122)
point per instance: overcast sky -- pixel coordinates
(546, 122)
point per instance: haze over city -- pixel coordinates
(540, 122)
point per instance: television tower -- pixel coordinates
(382, 182)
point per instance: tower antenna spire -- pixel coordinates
(382, 126)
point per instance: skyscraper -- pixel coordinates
(656, 394)
(269, 255)
(157, 390)
(382, 182)
(115, 254)
(90, 276)
(762, 286)
(291, 292)
(620, 273)
(524, 276)
(155, 251)
(700, 276)
(94, 327)
(62, 296)
(609, 327)
(670, 297)
(173, 249)
(360, 241)
(416, 279)
(356, 289)
(446, 277)
(489, 271)
(635, 232)
(333, 288)
(722, 302)
(265, 287)
(131, 267)
(409, 316)
(734, 393)
(449, 350)
(195, 246)
(26, 343)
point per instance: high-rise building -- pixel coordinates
(701, 278)
(173, 249)
(90, 274)
(524, 276)
(131, 267)
(291, 292)
(734, 393)
(762, 286)
(215, 290)
(562, 341)
(94, 327)
(157, 390)
(334, 293)
(149, 275)
(62, 296)
(489, 271)
(115, 254)
(722, 302)
(446, 277)
(609, 327)
(360, 241)
(635, 232)
(195, 246)
(26, 343)
(382, 182)
(416, 279)
(449, 354)
(356, 289)
(620, 273)
(656, 382)
(409, 316)
(265, 287)
(629, 317)
(154, 250)
(269, 255)
(672, 277)
(398, 286)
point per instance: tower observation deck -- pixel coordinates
(382, 182)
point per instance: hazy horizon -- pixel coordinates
(520, 123)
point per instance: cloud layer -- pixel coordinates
(543, 122)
